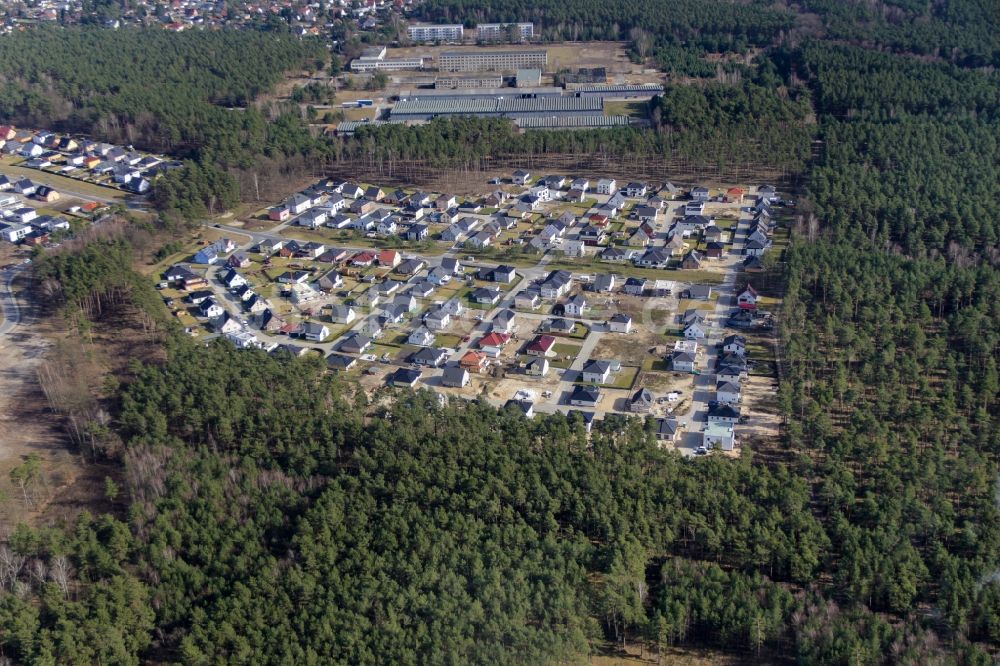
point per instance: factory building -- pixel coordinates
(435, 33)
(485, 80)
(492, 61)
(623, 91)
(426, 109)
(490, 32)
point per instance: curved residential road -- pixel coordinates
(11, 310)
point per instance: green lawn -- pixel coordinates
(447, 340)
(623, 380)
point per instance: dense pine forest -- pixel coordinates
(274, 516)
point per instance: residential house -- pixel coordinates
(753, 264)
(232, 279)
(541, 346)
(493, 343)
(340, 362)
(581, 184)
(724, 413)
(641, 401)
(528, 299)
(389, 258)
(604, 283)
(736, 344)
(698, 292)
(599, 372)
(615, 255)
(455, 377)
(446, 202)
(767, 193)
(210, 309)
(387, 227)
(694, 208)
(667, 430)
(720, 436)
(314, 331)
(682, 361)
(429, 356)
(694, 331)
(620, 323)
(639, 238)
(577, 306)
(486, 296)
(363, 259)
(421, 336)
(755, 248)
(537, 367)
(342, 314)
(331, 280)
(526, 407)
(356, 343)
(747, 299)
(503, 322)
(699, 193)
(294, 277)
(303, 293)
(437, 320)
(403, 378)
(474, 361)
(653, 258)
(607, 186)
(454, 307)
(692, 260)
(585, 396)
(312, 218)
(558, 326)
(411, 266)
(556, 284)
(416, 232)
(636, 286)
(635, 190)
(727, 392)
(521, 177)
(502, 274)
(715, 250)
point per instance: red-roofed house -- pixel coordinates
(493, 343)
(389, 258)
(541, 346)
(735, 195)
(365, 258)
(474, 361)
(747, 300)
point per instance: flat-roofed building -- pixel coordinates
(425, 109)
(528, 78)
(499, 61)
(435, 33)
(497, 31)
(485, 80)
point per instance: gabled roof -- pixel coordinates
(494, 340)
(642, 396)
(589, 394)
(724, 411)
(666, 427)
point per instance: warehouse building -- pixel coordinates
(528, 78)
(572, 122)
(492, 61)
(486, 80)
(435, 33)
(489, 32)
(426, 109)
(623, 91)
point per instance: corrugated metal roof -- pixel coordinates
(508, 107)
(569, 122)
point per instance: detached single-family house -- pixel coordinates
(585, 396)
(620, 323)
(641, 401)
(747, 299)
(474, 361)
(455, 377)
(404, 378)
(736, 344)
(694, 331)
(343, 314)
(486, 296)
(727, 392)
(667, 430)
(521, 177)
(541, 346)
(356, 344)
(698, 292)
(653, 258)
(537, 367)
(719, 436)
(421, 337)
(210, 309)
(577, 306)
(682, 361)
(503, 322)
(437, 320)
(607, 186)
(529, 299)
(599, 372)
(429, 357)
(340, 362)
(314, 331)
(724, 413)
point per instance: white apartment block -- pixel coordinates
(495, 61)
(435, 33)
(499, 31)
